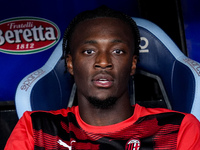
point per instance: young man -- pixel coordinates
(101, 48)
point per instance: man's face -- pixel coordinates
(101, 58)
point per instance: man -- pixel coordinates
(101, 49)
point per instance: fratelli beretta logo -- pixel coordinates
(26, 35)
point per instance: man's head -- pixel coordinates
(102, 11)
(101, 56)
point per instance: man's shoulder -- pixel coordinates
(165, 115)
(41, 113)
(52, 119)
(162, 114)
(63, 112)
(153, 111)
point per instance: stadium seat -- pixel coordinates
(165, 77)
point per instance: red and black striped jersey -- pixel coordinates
(146, 129)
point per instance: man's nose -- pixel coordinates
(103, 61)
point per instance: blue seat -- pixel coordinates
(175, 78)
(47, 88)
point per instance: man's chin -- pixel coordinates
(102, 103)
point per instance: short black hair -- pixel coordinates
(102, 11)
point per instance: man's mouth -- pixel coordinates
(103, 81)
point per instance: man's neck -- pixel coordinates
(119, 112)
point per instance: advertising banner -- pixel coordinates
(191, 18)
(30, 31)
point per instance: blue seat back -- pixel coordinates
(179, 74)
(49, 88)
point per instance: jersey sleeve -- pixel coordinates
(21, 137)
(189, 134)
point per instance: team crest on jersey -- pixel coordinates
(133, 144)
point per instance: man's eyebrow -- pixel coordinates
(95, 42)
(90, 42)
(117, 41)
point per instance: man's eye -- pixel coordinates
(88, 52)
(118, 51)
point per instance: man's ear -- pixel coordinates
(134, 62)
(69, 64)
